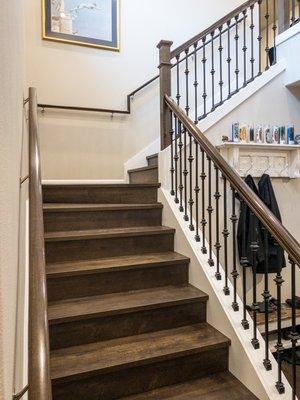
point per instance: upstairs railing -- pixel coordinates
(211, 68)
(38, 363)
(216, 64)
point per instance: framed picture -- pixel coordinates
(93, 23)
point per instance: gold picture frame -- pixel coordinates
(58, 23)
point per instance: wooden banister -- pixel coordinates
(39, 365)
(274, 226)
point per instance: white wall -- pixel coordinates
(11, 99)
(77, 146)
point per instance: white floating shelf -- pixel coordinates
(276, 160)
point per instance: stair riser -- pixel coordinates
(134, 380)
(121, 325)
(81, 220)
(100, 195)
(150, 176)
(153, 161)
(62, 288)
(59, 251)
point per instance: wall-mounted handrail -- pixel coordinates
(22, 393)
(38, 363)
(275, 227)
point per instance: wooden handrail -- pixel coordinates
(38, 363)
(213, 27)
(274, 226)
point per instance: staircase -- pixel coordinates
(123, 319)
(148, 174)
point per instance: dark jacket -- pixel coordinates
(251, 230)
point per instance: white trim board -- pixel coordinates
(284, 36)
(82, 182)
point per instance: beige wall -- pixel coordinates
(77, 146)
(11, 98)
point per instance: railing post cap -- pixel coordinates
(163, 43)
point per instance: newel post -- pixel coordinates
(165, 66)
(283, 7)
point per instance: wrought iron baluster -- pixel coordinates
(187, 72)
(176, 158)
(244, 265)
(172, 170)
(298, 9)
(245, 47)
(191, 200)
(203, 221)
(267, 16)
(293, 18)
(221, 83)
(204, 95)
(185, 175)
(225, 236)
(213, 71)
(294, 336)
(178, 95)
(234, 274)
(217, 244)
(236, 38)
(254, 249)
(196, 84)
(279, 346)
(229, 59)
(197, 190)
(274, 33)
(210, 211)
(259, 38)
(180, 145)
(266, 295)
(252, 59)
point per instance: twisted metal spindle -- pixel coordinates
(185, 175)
(236, 38)
(245, 47)
(255, 308)
(266, 296)
(259, 38)
(172, 170)
(274, 33)
(267, 49)
(209, 211)
(244, 265)
(180, 146)
(221, 83)
(176, 158)
(196, 84)
(217, 244)
(225, 236)
(197, 190)
(204, 60)
(203, 221)
(187, 72)
(229, 58)
(234, 274)
(252, 26)
(213, 71)
(191, 200)
(178, 95)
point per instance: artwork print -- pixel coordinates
(85, 22)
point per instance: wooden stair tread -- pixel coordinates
(221, 386)
(115, 264)
(107, 233)
(136, 350)
(120, 303)
(103, 185)
(57, 207)
(152, 156)
(147, 168)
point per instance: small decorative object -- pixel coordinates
(251, 134)
(297, 139)
(225, 139)
(282, 134)
(235, 132)
(291, 134)
(275, 134)
(268, 134)
(243, 134)
(259, 134)
(93, 23)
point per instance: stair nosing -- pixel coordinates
(174, 354)
(200, 298)
(152, 156)
(107, 233)
(90, 207)
(141, 169)
(112, 268)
